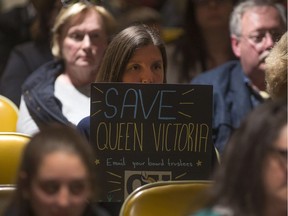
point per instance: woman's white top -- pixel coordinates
(75, 106)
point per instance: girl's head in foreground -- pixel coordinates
(252, 178)
(56, 175)
(135, 55)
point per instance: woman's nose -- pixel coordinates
(86, 41)
(146, 81)
(63, 197)
(147, 76)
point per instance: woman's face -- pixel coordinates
(211, 14)
(84, 44)
(275, 171)
(60, 186)
(145, 66)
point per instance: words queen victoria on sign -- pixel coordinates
(143, 133)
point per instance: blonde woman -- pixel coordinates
(59, 91)
(276, 69)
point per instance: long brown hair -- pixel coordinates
(239, 183)
(190, 47)
(123, 46)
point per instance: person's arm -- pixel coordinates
(25, 123)
(15, 73)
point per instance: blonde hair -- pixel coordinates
(66, 14)
(276, 70)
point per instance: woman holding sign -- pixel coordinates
(135, 55)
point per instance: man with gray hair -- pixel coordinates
(238, 86)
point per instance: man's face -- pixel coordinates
(261, 27)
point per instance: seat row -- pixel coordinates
(158, 198)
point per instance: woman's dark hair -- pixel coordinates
(123, 46)
(239, 179)
(52, 138)
(190, 47)
(41, 27)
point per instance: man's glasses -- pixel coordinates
(66, 3)
(260, 37)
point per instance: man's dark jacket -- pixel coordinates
(231, 99)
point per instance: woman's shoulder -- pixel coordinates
(84, 123)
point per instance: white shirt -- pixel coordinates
(75, 106)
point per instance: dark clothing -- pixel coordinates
(14, 29)
(24, 59)
(84, 127)
(233, 99)
(38, 93)
(95, 211)
(91, 210)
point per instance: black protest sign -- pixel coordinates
(143, 133)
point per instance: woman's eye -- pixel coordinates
(50, 187)
(77, 188)
(158, 66)
(134, 67)
(77, 36)
(94, 36)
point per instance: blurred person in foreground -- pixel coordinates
(238, 86)
(56, 176)
(252, 178)
(59, 91)
(276, 70)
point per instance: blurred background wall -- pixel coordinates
(6, 4)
